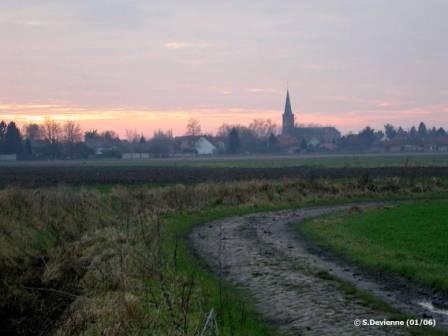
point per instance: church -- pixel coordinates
(312, 135)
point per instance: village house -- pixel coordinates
(194, 145)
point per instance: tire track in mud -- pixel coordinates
(261, 255)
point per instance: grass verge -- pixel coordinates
(409, 240)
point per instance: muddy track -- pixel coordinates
(282, 275)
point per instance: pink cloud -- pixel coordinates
(146, 120)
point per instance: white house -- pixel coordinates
(204, 147)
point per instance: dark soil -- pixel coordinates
(82, 175)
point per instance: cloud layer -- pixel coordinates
(348, 63)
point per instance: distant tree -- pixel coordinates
(3, 128)
(108, 141)
(223, 131)
(303, 145)
(263, 128)
(91, 135)
(422, 130)
(110, 138)
(432, 132)
(248, 140)
(72, 135)
(52, 134)
(367, 137)
(401, 132)
(133, 136)
(161, 144)
(28, 149)
(193, 127)
(413, 134)
(379, 136)
(142, 146)
(53, 150)
(272, 142)
(51, 131)
(441, 132)
(233, 141)
(81, 151)
(32, 132)
(13, 140)
(390, 130)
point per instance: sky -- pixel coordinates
(147, 65)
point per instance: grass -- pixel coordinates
(409, 240)
(79, 261)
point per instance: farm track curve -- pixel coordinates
(262, 255)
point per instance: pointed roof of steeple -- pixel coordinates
(288, 108)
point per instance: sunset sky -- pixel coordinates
(145, 65)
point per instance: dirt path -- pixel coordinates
(262, 255)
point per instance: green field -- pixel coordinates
(409, 240)
(263, 161)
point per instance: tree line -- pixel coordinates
(396, 137)
(54, 140)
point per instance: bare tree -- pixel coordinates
(161, 144)
(132, 135)
(193, 127)
(224, 129)
(3, 127)
(251, 139)
(263, 128)
(33, 132)
(51, 131)
(111, 138)
(72, 133)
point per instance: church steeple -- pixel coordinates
(288, 108)
(288, 116)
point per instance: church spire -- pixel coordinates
(288, 108)
(288, 116)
